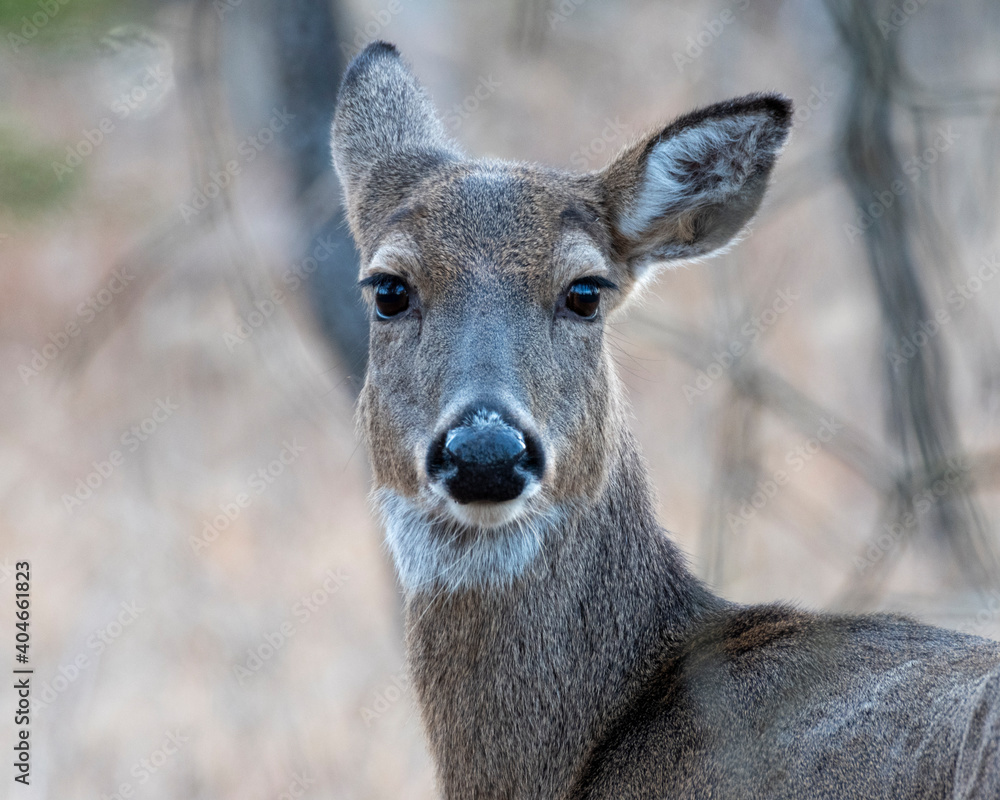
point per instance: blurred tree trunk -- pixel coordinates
(295, 54)
(309, 66)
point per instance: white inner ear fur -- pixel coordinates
(727, 149)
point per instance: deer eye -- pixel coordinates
(391, 296)
(584, 297)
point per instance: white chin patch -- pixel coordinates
(461, 547)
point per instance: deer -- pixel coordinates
(557, 642)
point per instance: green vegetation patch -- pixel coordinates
(28, 181)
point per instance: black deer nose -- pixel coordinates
(484, 458)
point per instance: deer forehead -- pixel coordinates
(502, 227)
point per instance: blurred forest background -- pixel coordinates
(213, 613)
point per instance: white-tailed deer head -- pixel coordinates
(490, 404)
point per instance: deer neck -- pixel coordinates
(515, 683)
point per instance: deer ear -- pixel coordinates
(688, 190)
(385, 124)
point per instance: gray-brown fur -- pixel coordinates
(558, 644)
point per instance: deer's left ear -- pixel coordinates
(385, 137)
(688, 190)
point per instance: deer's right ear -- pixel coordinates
(386, 134)
(688, 190)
